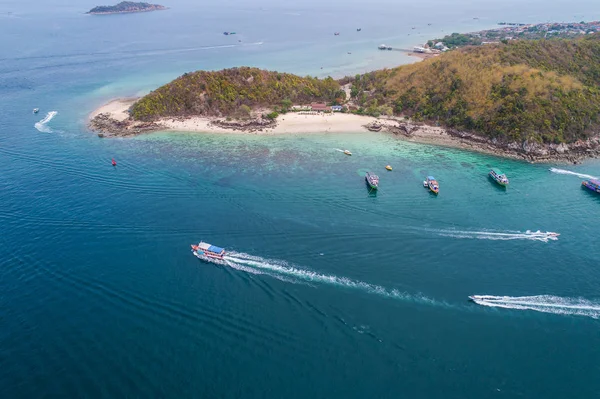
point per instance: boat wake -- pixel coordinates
(500, 235)
(42, 125)
(286, 272)
(568, 172)
(542, 303)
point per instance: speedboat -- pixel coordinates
(471, 298)
(499, 177)
(207, 251)
(36, 110)
(347, 152)
(432, 185)
(372, 180)
(592, 184)
(388, 167)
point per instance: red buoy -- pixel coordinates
(114, 163)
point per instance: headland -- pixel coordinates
(529, 99)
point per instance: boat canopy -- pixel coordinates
(595, 182)
(497, 171)
(210, 248)
(430, 178)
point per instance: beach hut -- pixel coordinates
(319, 107)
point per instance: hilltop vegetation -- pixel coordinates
(544, 91)
(233, 92)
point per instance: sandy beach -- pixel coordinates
(286, 123)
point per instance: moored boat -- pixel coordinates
(592, 184)
(372, 180)
(388, 167)
(347, 152)
(432, 185)
(499, 177)
(204, 250)
(36, 110)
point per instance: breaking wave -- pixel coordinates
(42, 125)
(568, 172)
(542, 303)
(499, 235)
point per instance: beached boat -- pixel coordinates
(499, 177)
(207, 251)
(592, 184)
(432, 185)
(372, 180)
(347, 152)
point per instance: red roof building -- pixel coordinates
(319, 107)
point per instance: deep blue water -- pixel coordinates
(330, 290)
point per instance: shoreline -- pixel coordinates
(112, 120)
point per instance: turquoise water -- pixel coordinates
(329, 290)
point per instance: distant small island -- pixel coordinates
(126, 7)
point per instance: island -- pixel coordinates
(126, 7)
(531, 99)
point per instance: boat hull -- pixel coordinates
(371, 185)
(590, 187)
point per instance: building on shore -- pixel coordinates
(319, 107)
(336, 108)
(301, 108)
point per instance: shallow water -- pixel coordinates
(330, 289)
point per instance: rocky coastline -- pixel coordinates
(126, 7)
(529, 151)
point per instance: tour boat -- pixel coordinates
(347, 152)
(432, 185)
(593, 185)
(372, 180)
(388, 167)
(499, 177)
(204, 250)
(36, 110)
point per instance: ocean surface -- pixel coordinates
(329, 289)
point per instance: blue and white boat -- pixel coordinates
(204, 250)
(432, 185)
(592, 184)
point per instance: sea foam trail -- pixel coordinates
(281, 270)
(42, 125)
(568, 172)
(499, 235)
(542, 303)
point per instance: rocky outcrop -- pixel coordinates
(251, 125)
(110, 127)
(126, 7)
(534, 151)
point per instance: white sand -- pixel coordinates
(287, 123)
(117, 109)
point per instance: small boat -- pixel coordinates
(347, 152)
(471, 298)
(114, 163)
(388, 167)
(432, 185)
(592, 184)
(349, 52)
(207, 251)
(358, 29)
(372, 180)
(36, 110)
(499, 177)
(336, 33)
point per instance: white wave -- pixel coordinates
(42, 125)
(568, 172)
(499, 235)
(542, 303)
(279, 269)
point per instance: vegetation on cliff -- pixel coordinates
(232, 92)
(545, 91)
(126, 6)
